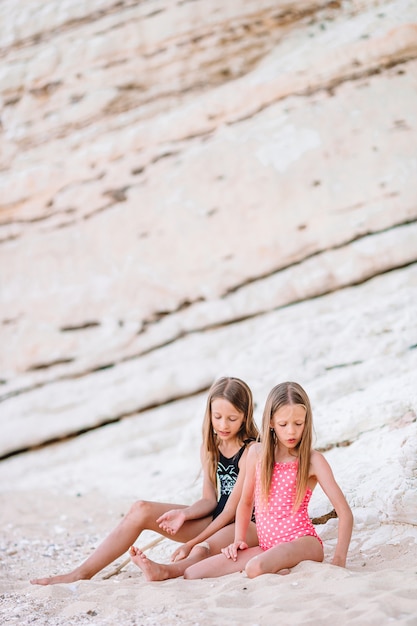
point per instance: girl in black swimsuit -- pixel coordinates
(205, 526)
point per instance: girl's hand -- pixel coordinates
(230, 551)
(338, 560)
(181, 553)
(171, 521)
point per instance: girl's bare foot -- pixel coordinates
(72, 577)
(151, 570)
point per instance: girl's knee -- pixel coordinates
(190, 573)
(255, 568)
(201, 550)
(139, 509)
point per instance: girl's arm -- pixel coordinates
(224, 518)
(322, 471)
(245, 506)
(171, 521)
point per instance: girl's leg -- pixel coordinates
(220, 565)
(141, 516)
(161, 571)
(154, 571)
(285, 555)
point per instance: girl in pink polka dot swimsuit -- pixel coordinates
(281, 474)
(277, 522)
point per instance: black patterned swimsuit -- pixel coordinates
(227, 473)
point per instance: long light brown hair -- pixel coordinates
(239, 395)
(284, 394)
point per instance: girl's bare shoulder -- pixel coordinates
(318, 461)
(315, 455)
(254, 451)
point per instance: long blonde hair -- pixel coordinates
(239, 394)
(284, 394)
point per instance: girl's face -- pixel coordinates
(288, 423)
(225, 419)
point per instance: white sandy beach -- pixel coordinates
(378, 587)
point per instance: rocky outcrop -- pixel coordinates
(191, 189)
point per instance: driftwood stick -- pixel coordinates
(119, 568)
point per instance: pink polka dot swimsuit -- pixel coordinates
(276, 522)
